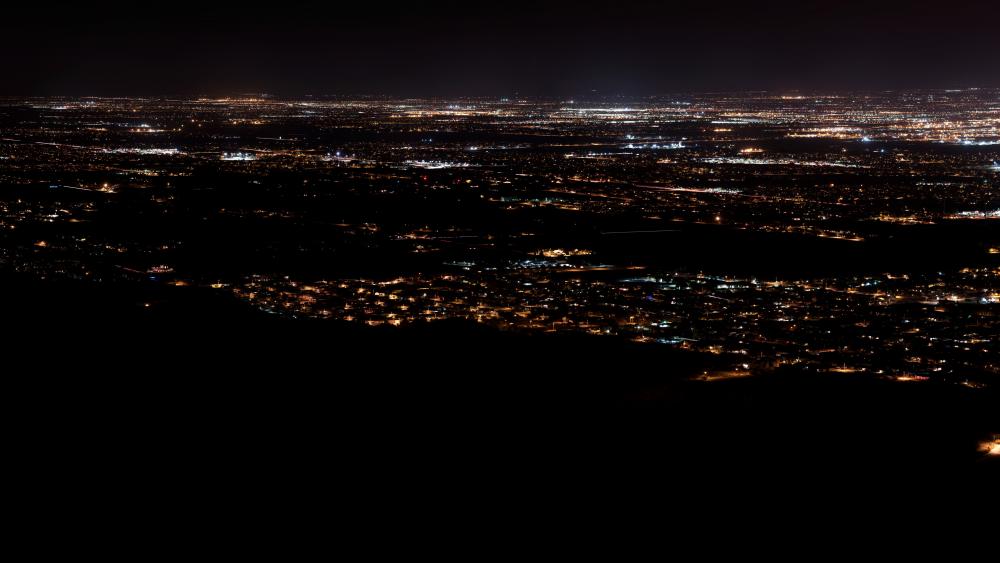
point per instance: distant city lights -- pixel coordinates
(238, 156)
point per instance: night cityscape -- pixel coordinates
(506, 261)
(847, 233)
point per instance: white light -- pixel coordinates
(238, 156)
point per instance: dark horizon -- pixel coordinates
(791, 94)
(451, 49)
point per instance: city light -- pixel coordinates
(533, 216)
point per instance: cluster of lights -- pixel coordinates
(238, 156)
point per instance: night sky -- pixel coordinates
(497, 48)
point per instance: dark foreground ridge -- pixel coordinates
(97, 371)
